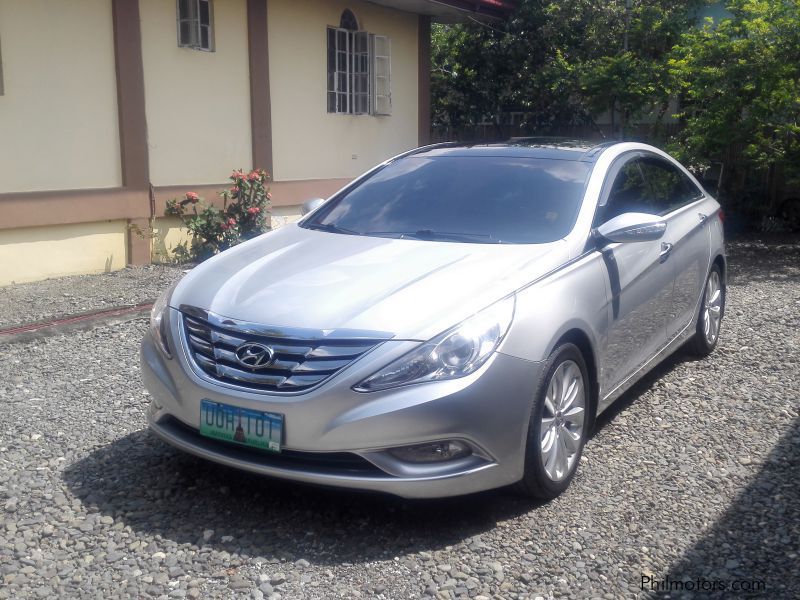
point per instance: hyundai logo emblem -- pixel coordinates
(255, 356)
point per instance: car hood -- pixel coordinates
(409, 289)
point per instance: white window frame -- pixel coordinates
(194, 24)
(341, 97)
(353, 90)
(382, 75)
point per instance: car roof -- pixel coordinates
(523, 147)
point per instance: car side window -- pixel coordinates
(669, 186)
(628, 193)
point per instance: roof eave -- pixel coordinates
(454, 11)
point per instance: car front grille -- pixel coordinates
(298, 363)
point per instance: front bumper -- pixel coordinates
(337, 437)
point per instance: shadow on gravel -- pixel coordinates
(756, 541)
(159, 491)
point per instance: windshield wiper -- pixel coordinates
(330, 228)
(430, 234)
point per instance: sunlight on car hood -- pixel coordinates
(295, 277)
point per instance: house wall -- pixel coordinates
(197, 103)
(308, 142)
(58, 113)
(34, 253)
(103, 119)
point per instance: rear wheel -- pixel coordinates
(557, 429)
(709, 320)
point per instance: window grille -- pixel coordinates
(195, 24)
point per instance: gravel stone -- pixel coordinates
(39, 300)
(94, 506)
(266, 589)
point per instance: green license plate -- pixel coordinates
(253, 428)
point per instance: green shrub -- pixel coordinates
(245, 214)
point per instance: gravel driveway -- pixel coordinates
(693, 475)
(51, 298)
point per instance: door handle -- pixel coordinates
(702, 217)
(666, 249)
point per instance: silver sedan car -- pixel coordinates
(451, 321)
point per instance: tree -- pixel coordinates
(559, 62)
(481, 71)
(739, 84)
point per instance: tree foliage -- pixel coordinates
(739, 82)
(736, 81)
(559, 62)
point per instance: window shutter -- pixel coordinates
(339, 70)
(360, 73)
(205, 28)
(188, 23)
(342, 71)
(331, 70)
(381, 75)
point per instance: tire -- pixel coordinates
(709, 321)
(548, 472)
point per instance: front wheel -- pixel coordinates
(709, 320)
(558, 425)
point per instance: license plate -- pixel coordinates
(253, 428)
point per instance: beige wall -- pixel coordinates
(197, 103)
(58, 116)
(168, 232)
(307, 141)
(35, 253)
(283, 215)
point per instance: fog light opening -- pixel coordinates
(163, 337)
(432, 452)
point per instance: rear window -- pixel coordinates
(477, 199)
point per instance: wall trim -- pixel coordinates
(133, 152)
(424, 80)
(260, 107)
(293, 193)
(65, 207)
(130, 94)
(284, 193)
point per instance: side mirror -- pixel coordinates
(311, 205)
(633, 227)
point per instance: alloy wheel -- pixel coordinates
(712, 308)
(562, 420)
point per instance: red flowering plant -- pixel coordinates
(245, 213)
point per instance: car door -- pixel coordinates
(639, 279)
(687, 239)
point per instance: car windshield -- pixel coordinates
(476, 199)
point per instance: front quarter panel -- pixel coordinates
(573, 297)
(717, 234)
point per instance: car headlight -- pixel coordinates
(455, 353)
(158, 324)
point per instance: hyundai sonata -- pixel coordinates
(451, 321)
